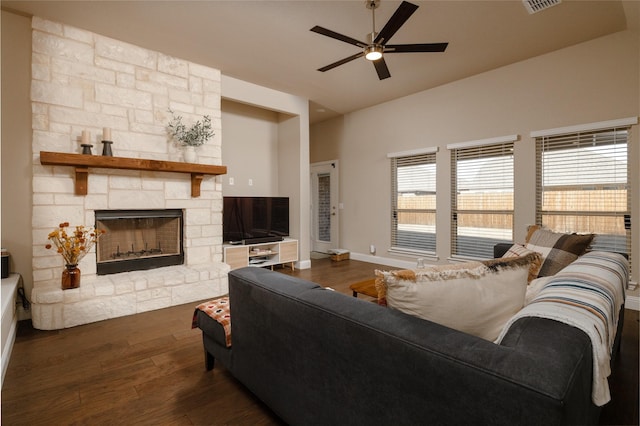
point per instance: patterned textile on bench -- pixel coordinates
(218, 309)
(587, 294)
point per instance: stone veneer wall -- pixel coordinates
(84, 81)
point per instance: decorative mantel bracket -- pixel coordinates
(82, 162)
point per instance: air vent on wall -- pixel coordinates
(534, 6)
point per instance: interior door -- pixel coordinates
(324, 209)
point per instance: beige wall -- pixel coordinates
(330, 133)
(250, 150)
(590, 82)
(294, 162)
(16, 143)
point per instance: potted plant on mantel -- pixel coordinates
(196, 135)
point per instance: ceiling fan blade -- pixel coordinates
(399, 17)
(420, 47)
(381, 69)
(341, 62)
(337, 36)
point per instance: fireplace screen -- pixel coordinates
(138, 240)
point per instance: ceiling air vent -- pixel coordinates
(534, 6)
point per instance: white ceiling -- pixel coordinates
(269, 43)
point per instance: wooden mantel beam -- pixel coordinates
(83, 162)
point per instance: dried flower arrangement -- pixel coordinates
(196, 135)
(74, 245)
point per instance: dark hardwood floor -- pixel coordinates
(149, 369)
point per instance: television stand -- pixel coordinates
(264, 254)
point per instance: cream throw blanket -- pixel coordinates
(587, 294)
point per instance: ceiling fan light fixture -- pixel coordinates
(373, 52)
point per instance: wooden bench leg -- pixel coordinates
(209, 360)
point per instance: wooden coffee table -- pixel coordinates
(366, 287)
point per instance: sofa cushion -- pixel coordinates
(518, 250)
(474, 297)
(558, 250)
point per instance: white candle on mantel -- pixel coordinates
(86, 136)
(106, 134)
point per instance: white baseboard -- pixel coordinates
(396, 263)
(303, 264)
(632, 302)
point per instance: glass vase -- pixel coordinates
(70, 277)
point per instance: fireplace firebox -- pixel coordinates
(138, 240)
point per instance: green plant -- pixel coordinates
(196, 135)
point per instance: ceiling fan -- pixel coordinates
(376, 44)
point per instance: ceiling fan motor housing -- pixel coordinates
(373, 51)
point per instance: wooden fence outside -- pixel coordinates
(611, 203)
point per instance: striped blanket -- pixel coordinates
(587, 294)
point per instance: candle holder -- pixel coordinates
(106, 148)
(86, 148)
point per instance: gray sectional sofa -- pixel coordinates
(318, 357)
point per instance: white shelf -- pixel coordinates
(262, 254)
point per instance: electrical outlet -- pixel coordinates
(250, 182)
(231, 181)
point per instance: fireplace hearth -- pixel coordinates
(138, 240)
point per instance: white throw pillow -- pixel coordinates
(475, 297)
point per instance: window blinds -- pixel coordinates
(413, 203)
(583, 186)
(482, 198)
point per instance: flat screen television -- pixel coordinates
(248, 220)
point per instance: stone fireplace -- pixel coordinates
(82, 81)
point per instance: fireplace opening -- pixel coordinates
(138, 240)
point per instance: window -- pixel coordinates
(482, 196)
(413, 202)
(583, 185)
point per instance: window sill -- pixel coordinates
(463, 259)
(427, 255)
